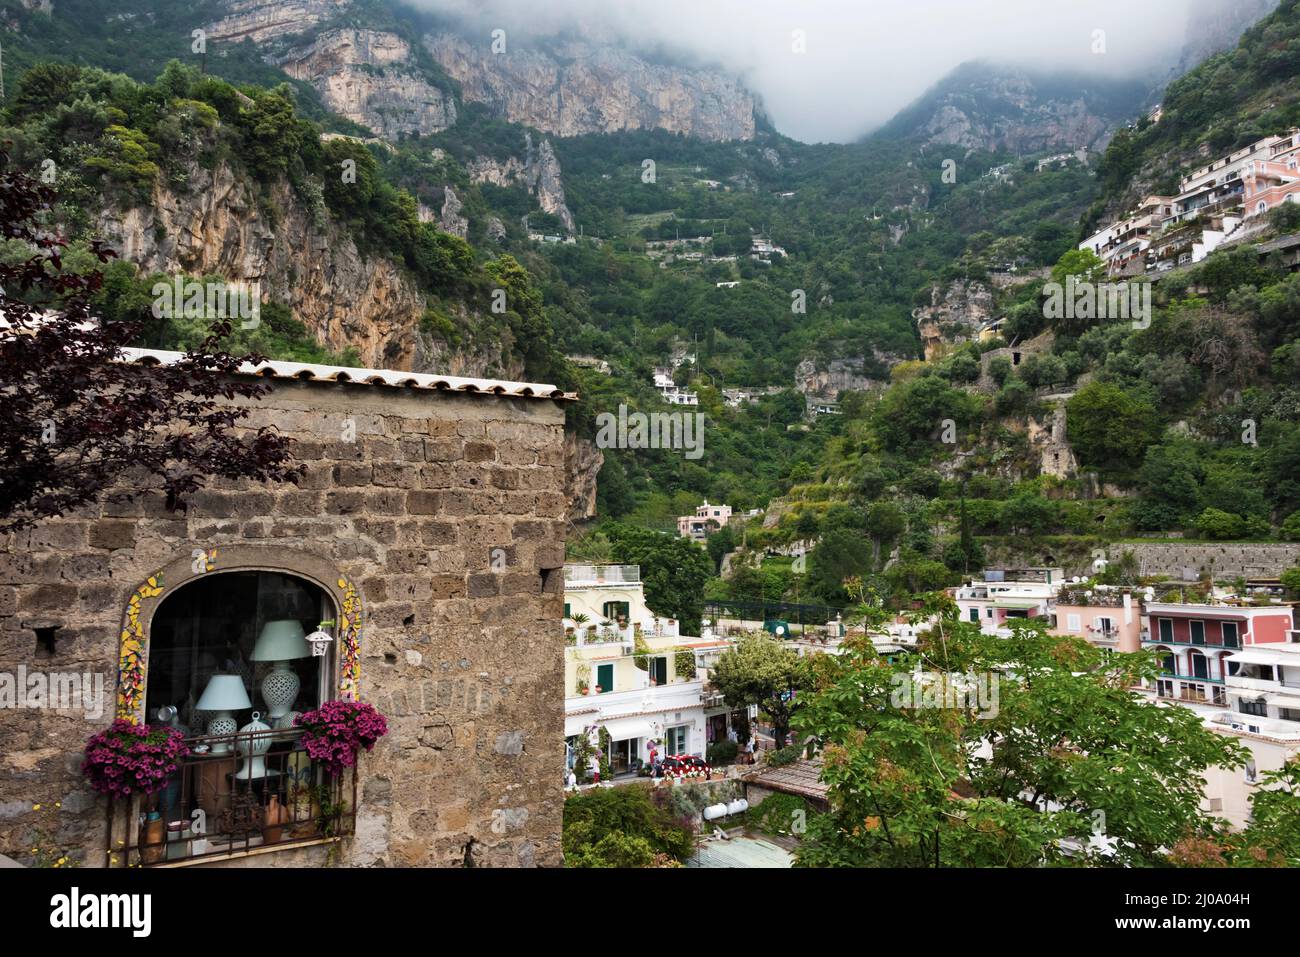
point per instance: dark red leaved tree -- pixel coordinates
(74, 423)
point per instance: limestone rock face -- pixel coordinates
(582, 463)
(954, 315)
(593, 89)
(988, 107)
(1033, 127)
(538, 172)
(839, 375)
(261, 20)
(362, 74)
(216, 225)
(450, 218)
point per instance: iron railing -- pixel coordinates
(223, 803)
(795, 614)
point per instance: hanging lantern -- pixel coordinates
(320, 641)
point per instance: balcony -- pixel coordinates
(579, 575)
(1275, 728)
(1230, 645)
(674, 696)
(1193, 695)
(224, 805)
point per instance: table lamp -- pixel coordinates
(280, 642)
(223, 695)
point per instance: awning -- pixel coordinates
(575, 723)
(621, 729)
(1262, 656)
(1013, 605)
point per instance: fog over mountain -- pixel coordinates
(864, 60)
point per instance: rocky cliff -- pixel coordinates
(581, 88)
(982, 107)
(857, 374)
(262, 20)
(1217, 25)
(538, 172)
(954, 315)
(582, 462)
(219, 224)
(364, 75)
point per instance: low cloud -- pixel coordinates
(865, 59)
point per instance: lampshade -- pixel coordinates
(280, 641)
(224, 693)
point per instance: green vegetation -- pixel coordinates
(1189, 426)
(1231, 100)
(623, 827)
(914, 786)
(780, 814)
(761, 671)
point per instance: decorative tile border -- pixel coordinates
(132, 667)
(350, 642)
(132, 653)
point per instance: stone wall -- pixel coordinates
(1225, 560)
(464, 655)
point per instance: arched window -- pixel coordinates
(250, 624)
(1168, 662)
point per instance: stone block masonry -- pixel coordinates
(409, 496)
(1225, 560)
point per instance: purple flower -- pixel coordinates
(150, 752)
(337, 730)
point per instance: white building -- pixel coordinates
(677, 396)
(631, 673)
(1004, 594)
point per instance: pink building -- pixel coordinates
(1104, 616)
(1270, 183)
(1194, 642)
(707, 518)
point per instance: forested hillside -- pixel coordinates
(806, 266)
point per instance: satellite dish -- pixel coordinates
(780, 629)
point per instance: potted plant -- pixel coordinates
(584, 679)
(336, 732)
(130, 758)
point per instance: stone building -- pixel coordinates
(427, 530)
